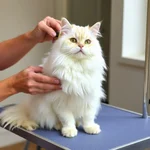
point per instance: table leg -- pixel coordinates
(38, 148)
(26, 145)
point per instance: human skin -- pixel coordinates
(30, 80)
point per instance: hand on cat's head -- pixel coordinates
(45, 30)
(48, 28)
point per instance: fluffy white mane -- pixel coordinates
(76, 59)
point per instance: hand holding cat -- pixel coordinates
(31, 80)
(46, 30)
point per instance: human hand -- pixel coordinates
(33, 82)
(45, 30)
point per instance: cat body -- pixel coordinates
(76, 59)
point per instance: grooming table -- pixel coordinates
(121, 130)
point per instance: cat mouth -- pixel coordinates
(80, 51)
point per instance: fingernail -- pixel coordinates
(56, 81)
(53, 34)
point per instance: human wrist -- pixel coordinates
(30, 36)
(7, 88)
(11, 85)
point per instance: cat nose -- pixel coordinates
(80, 45)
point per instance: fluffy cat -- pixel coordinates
(76, 59)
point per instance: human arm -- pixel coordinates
(30, 80)
(14, 49)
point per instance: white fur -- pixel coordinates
(81, 78)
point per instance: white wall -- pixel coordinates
(17, 17)
(126, 81)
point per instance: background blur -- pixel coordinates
(123, 42)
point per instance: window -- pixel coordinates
(134, 29)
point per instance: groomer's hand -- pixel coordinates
(32, 81)
(45, 30)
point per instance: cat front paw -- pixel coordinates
(92, 129)
(69, 131)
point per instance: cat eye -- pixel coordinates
(88, 41)
(74, 40)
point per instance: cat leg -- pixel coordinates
(58, 125)
(78, 123)
(89, 125)
(68, 124)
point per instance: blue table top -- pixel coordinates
(119, 127)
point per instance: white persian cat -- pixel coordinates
(76, 59)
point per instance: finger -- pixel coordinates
(58, 21)
(35, 91)
(48, 38)
(36, 69)
(55, 87)
(55, 24)
(43, 26)
(46, 87)
(45, 79)
(58, 28)
(39, 91)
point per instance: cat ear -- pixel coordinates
(66, 26)
(95, 29)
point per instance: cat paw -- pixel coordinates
(12, 124)
(69, 131)
(92, 129)
(29, 125)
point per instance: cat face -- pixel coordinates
(79, 42)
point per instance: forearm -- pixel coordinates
(14, 49)
(6, 88)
